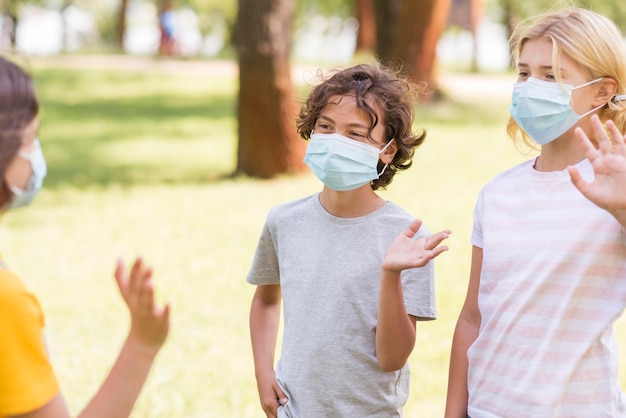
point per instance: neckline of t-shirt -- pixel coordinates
(583, 167)
(336, 219)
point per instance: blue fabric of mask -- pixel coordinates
(342, 163)
(543, 109)
(23, 197)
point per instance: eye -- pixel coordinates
(323, 127)
(550, 77)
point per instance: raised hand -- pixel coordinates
(149, 322)
(608, 189)
(405, 252)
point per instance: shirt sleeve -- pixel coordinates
(418, 288)
(27, 381)
(477, 229)
(265, 269)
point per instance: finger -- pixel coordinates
(434, 240)
(578, 181)
(413, 228)
(616, 137)
(163, 315)
(280, 395)
(119, 275)
(438, 250)
(590, 151)
(136, 282)
(146, 295)
(601, 137)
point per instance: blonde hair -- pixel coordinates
(586, 37)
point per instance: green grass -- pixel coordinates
(139, 165)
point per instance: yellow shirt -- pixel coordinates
(27, 381)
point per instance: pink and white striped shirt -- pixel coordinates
(553, 281)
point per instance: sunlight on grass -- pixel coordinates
(137, 163)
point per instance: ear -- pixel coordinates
(606, 90)
(387, 156)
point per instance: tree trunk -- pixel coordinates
(366, 35)
(477, 11)
(268, 142)
(419, 27)
(121, 23)
(387, 12)
(9, 24)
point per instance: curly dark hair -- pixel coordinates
(393, 94)
(18, 108)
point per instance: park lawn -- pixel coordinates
(139, 165)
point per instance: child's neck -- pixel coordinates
(560, 154)
(351, 204)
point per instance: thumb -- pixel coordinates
(577, 179)
(282, 398)
(413, 228)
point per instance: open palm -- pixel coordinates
(608, 189)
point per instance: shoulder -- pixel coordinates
(10, 285)
(514, 174)
(291, 209)
(392, 216)
(15, 299)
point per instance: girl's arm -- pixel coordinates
(395, 330)
(465, 334)
(264, 321)
(148, 331)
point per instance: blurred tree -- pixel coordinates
(386, 12)
(268, 141)
(467, 15)
(9, 23)
(366, 35)
(513, 11)
(212, 13)
(121, 23)
(411, 32)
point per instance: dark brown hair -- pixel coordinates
(18, 108)
(394, 95)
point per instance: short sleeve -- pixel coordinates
(418, 288)
(265, 269)
(27, 380)
(477, 229)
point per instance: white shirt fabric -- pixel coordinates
(329, 272)
(553, 282)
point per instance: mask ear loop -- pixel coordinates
(618, 98)
(383, 150)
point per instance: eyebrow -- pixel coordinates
(543, 67)
(351, 125)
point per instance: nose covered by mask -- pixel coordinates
(23, 197)
(543, 109)
(342, 163)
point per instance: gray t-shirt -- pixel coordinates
(329, 272)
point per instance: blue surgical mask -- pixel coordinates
(342, 163)
(23, 197)
(543, 109)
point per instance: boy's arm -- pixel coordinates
(395, 330)
(264, 321)
(465, 334)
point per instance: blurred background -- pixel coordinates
(323, 30)
(168, 127)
